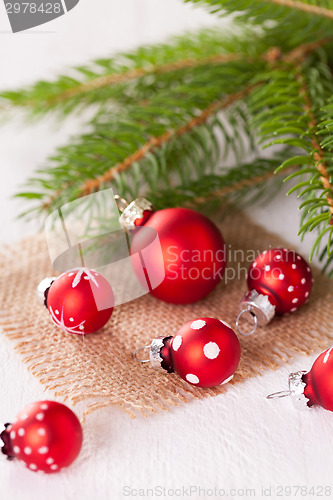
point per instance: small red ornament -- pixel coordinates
(204, 352)
(193, 256)
(280, 281)
(47, 436)
(79, 301)
(313, 388)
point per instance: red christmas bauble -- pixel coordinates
(47, 436)
(80, 301)
(319, 381)
(193, 255)
(282, 275)
(204, 352)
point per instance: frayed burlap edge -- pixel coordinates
(99, 370)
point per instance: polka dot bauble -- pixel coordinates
(279, 281)
(46, 436)
(284, 276)
(80, 301)
(205, 352)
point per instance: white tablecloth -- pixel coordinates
(232, 445)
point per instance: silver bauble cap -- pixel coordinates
(155, 352)
(296, 388)
(42, 288)
(259, 305)
(134, 211)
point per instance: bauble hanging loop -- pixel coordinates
(280, 282)
(259, 308)
(121, 203)
(205, 352)
(295, 391)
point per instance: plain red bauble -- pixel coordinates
(193, 250)
(284, 276)
(47, 436)
(80, 301)
(319, 381)
(205, 352)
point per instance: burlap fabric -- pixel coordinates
(100, 370)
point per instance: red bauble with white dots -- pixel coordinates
(46, 436)
(193, 256)
(283, 276)
(204, 352)
(80, 301)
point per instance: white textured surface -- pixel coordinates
(236, 440)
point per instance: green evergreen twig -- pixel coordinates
(168, 116)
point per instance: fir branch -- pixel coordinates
(246, 181)
(318, 8)
(298, 55)
(272, 55)
(232, 184)
(157, 142)
(107, 80)
(158, 66)
(118, 134)
(318, 153)
(260, 10)
(296, 100)
(159, 130)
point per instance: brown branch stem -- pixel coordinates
(297, 55)
(305, 7)
(104, 81)
(218, 193)
(156, 142)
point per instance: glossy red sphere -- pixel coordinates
(319, 381)
(193, 255)
(80, 301)
(284, 276)
(205, 352)
(47, 436)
